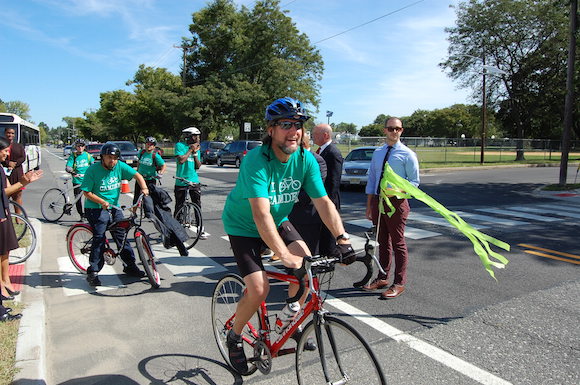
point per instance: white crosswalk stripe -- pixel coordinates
(558, 208)
(513, 213)
(196, 263)
(537, 210)
(490, 219)
(410, 232)
(74, 283)
(437, 221)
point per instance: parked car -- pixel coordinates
(66, 151)
(129, 152)
(355, 169)
(209, 150)
(95, 150)
(234, 152)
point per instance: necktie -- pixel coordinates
(389, 148)
(318, 151)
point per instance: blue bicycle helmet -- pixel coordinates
(286, 108)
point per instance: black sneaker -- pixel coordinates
(133, 271)
(309, 345)
(236, 353)
(93, 279)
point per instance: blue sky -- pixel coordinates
(59, 55)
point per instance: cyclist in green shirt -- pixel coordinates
(151, 164)
(256, 210)
(102, 187)
(188, 160)
(77, 164)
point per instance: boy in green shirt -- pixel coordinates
(77, 164)
(102, 187)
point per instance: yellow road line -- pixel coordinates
(552, 257)
(550, 251)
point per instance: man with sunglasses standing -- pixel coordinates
(256, 215)
(391, 230)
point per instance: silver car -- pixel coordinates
(66, 151)
(355, 169)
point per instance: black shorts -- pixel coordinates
(248, 250)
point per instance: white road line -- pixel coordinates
(410, 232)
(520, 215)
(487, 218)
(536, 210)
(433, 352)
(558, 208)
(74, 283)
(196, 263)
(437, 221)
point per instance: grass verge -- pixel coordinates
(8, 338)
(558, 187)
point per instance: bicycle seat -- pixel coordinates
(65, 177)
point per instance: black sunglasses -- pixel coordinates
(391, 129)
(288, 125)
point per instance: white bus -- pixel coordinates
(27, 134)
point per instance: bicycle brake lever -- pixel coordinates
(299, 274)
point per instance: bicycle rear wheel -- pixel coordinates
(52, 204)
(147, 258)
(79, 241)
(189, 215)
(26, 236)
(347, 357)
(226, 295)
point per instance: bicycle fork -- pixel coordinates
(320, 323)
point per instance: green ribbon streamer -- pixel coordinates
(394, 185)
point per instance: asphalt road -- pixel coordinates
(453, 325)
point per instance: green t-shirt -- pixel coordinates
(186, 169)
(272, 179)
(147, 167)
(106, 184)
(79, 163)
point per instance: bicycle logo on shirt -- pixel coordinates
(289, 183)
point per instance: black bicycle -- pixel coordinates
(189, 215)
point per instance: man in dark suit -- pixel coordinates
(322, 135)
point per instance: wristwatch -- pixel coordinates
(343, 236)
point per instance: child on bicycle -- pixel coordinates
(102, 187)
(151, 164)
(77, 164)
(256, 210)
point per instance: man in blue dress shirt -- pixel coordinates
(391, 230)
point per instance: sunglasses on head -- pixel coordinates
(288, 125)
(392, 129)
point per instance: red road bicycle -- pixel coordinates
(79, 240)
(342, 355)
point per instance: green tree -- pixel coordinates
(245, 59)
(43, 132)
(349, 128)
(16, 107)
(521, 45)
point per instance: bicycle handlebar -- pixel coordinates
(188, 182)
(309, 263)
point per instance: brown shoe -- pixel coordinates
(376, 284)
(393, 292)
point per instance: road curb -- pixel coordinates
(31, 344)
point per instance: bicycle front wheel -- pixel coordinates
(26, 236)
(189, 215)
(343, 356)
(79, 241)
(226, 295)
(147, 258)
(52, 204)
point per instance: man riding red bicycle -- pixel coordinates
(256, 210)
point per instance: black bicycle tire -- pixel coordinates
(330, 322)
(73, 258)
(12, 259)
(217, 325)
(19, 206)
(147, 258)
(181, 218)
(45, 206)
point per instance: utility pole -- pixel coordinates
(569, 103)
(483, 113)
(183, 71)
